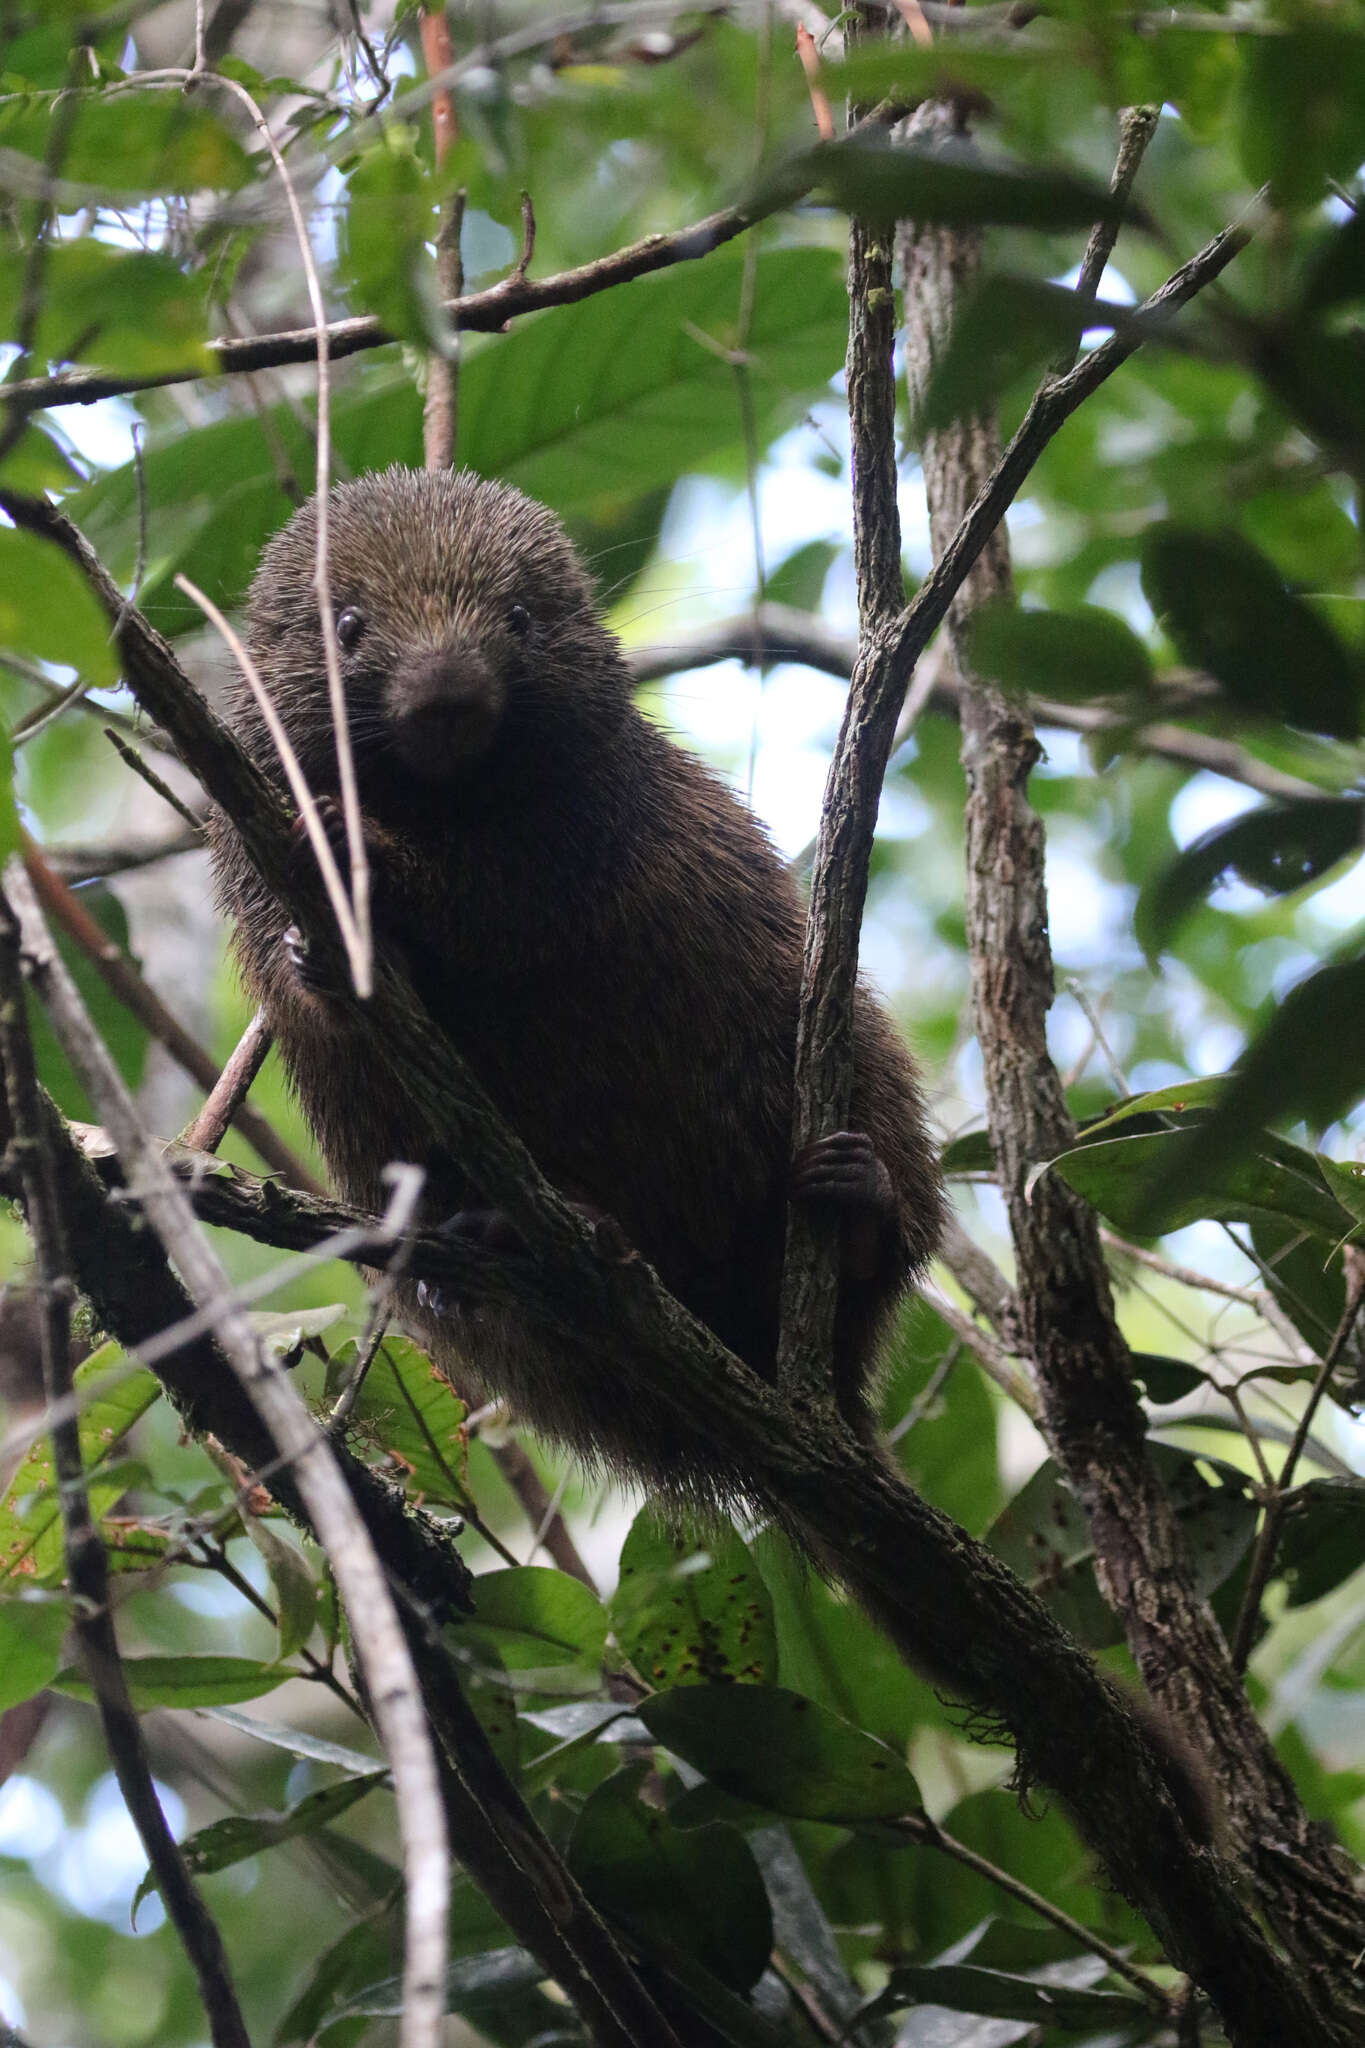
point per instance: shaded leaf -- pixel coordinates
(365, 1954)
(532, 1616)
(1278, 848)
(407, 1413)
(690, 1615)
(297, 1741)
(292, 1582)
(115, 1397)
(1044, 1536)
(129, 311)
(1167, 1379)
(953, 184)
(1303, 109)
(389, 217)
(770, 1746)
(1225, 607)
(964, 1987)
(1080, 654)
(185, 1681)
(1322, 1539)
(1309, 1062)
(1008, 328)
(1166, 1179)
(32, 1633)
(225, 1842)
(700, 1889)
(475, 1985)
(147, 142)
(48, 611)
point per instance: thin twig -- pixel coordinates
(823, 1078)
(484, 312)
(920, 1828)
(378, 1636)
(148, 774)
(298, 781)
(205, 1131)
(119, 974)
(87, 1564)
(1268, 1538)
(356, 932)
(440, 411)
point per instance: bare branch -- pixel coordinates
(485, 312)
(1091, 1413)
(227, 1095)
(87, 1564)
(120, 975)
(379, 1641)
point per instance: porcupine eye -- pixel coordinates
(350, 626)
(519, 619)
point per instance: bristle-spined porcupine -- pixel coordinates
(597, 924)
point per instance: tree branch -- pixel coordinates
(485, 312)
(778, 632)
(124, 1272)
(946, 1602)
(87, 1565)
(379, 1643)
(1091, 1413)
(119, 974)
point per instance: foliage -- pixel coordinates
(729, 1755)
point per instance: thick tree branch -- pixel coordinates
(947, 1603)
(87, 1566)
(124, 1272)
(1091, 1412)
(380, 1647)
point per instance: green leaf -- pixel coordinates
(799, 579)
(581, 406)
(770, 1746)
(225, 1842)
(1311, 1290)
(1167, 1379)
(1067, 655)
(699, 1889)
(128, 311)
(1009, 328)
(363, 1954)
(1162, 1181)
(690, 1615)
(1225, 607)
(993, 1994)
(125, 1036)
(533, 1616)
(48, 611)
(1277, 848)
(478, 1986)
(389, 218)
(1309, 1062)
(406, 1413)
(1179, 1097)
(114, 1397)
(1322, 1538)
(31, 1636)
(295, 1740)
(1336, 272)
(1044, 1537)
(292, 1582)
(1303, 109)
(185, 1681)
(149, 143)
(953, 185)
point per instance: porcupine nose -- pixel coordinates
(444, 704)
